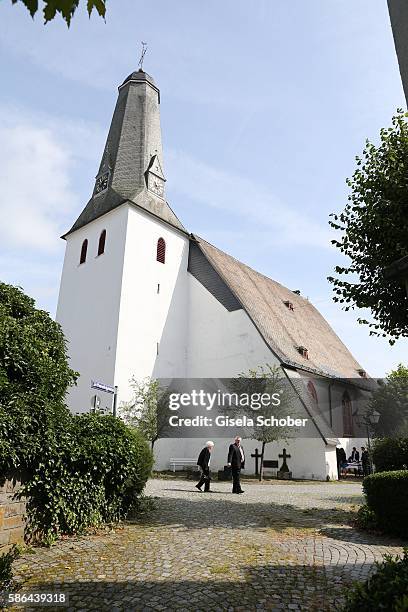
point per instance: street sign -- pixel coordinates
(102, 387)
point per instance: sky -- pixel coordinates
(264, 106)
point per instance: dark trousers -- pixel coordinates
(236, 484)
(366, 469)
(205, 480)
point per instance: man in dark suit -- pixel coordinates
(203, 462)
(365, 461)
(236, 459)
(355, 455)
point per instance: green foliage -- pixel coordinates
(148, 410)
(268, 380)
(374, 226)
(390, 454)
(78, 470)
(391, 401)
(34, 376)
(365, 518)
(387, 496)
(6, 567)
(91, 471)
(65, 8)
(387, 589)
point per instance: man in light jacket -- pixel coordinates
(203, 461)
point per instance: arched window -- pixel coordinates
(347, 415)
(161, 251)
(84, 250)
(313, 393)
(102, 240)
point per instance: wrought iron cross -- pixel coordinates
(144, 49)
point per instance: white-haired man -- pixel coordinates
(203, 461)
(236, 459)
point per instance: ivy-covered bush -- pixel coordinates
(390, 454)
(387, 496)
(78, 470)
(387, 589)
(92, 471)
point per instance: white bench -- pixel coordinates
(181, 462)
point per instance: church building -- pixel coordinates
(142, 296)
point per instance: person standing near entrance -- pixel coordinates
(203, 462)
(236, 459)
(365, 461)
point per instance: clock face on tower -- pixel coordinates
(101, 183)
(156, 184)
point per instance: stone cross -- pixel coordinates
(256, 456)
(284, 456)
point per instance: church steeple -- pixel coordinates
(131, 167)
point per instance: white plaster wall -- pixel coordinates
(224, 344)
(88, 305)
(221, 343)
(152, 325)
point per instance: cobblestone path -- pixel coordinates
(280, 546)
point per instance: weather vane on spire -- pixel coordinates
(144, 49)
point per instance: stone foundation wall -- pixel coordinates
(12, 513)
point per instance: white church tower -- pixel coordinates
(125, 267)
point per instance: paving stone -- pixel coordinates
(277, 547)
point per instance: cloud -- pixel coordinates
(38, 158)
(46, 174)
(245, 199)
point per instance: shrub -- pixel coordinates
(387, 589)
(390, 454)
(387, 497)
(366, 518)
(79, 471)
(6, 568)
(90, 473)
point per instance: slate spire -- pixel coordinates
(131, 167)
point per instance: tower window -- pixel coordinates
(84, 250)
(161, 251)
(289, 305)
(362, 373)
(102, 240)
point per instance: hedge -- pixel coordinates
(89, 473)
(387, 497)
(387, 589)
(78, 470)
(390, 454)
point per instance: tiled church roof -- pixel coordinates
(283, 329)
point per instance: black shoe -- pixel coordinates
(199, 488)
(241, 492)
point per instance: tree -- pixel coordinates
(34, 376)
(268, 380)
(148, 409)
(391, 401)
(374, 226)
(66, 8)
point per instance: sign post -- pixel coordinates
(107, 389)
